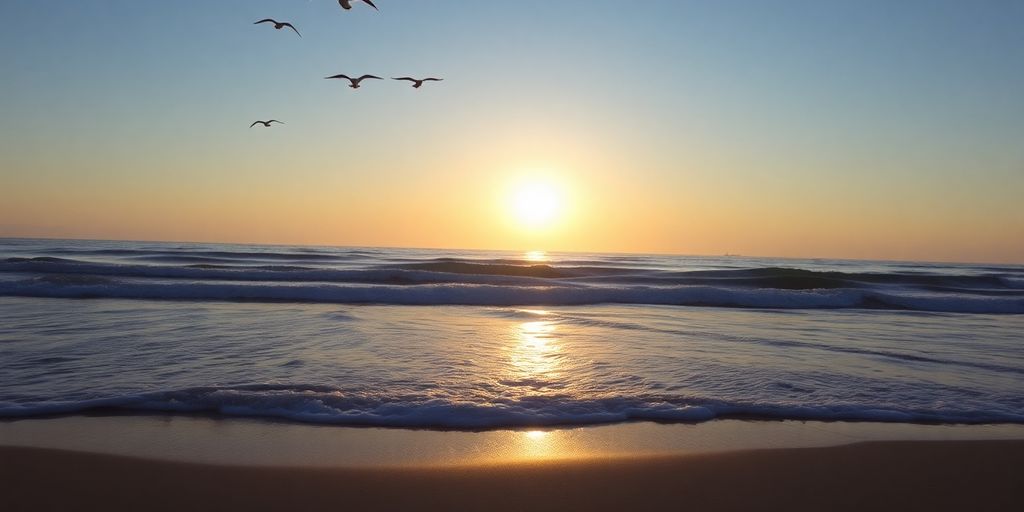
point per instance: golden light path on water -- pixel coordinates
(535, 358)
(536, 361)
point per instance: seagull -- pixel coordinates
(266, 124)
(347, 4)
(416, 84)
(355, 81)
(278, 25)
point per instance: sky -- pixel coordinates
(857, 129)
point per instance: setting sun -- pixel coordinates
(535, 204)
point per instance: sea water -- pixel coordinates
(478, 340)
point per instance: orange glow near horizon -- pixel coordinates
(596, 208)
(740, 146)
(602, 215)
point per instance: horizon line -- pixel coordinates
(624, 253)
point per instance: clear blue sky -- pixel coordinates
(884, 111)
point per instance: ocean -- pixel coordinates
(473, 340)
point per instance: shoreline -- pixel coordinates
(187, 462)
(914, 475)
(235, 441)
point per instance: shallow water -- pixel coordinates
(141, 327)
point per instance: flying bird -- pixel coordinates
(279, 25)
(347, 4)
(418, 83)
(355, 81)
(266, 124)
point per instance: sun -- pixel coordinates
(535, 204)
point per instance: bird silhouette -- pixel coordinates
(266, 124)
(416, 84)
(347, 4)
(354, 81)
(279, 25)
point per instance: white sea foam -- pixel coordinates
(335, 407)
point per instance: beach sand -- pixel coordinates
(181, 462)
(948, 475)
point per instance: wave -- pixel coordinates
(322, 404)
(501, 269)
(782, 277)
(409, 277)
(455, 270)
(278, 273)
(496, 295)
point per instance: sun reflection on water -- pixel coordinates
(534, 358)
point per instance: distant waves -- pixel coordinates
(415, 278)
(368, 336)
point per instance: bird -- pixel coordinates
(355, 81)
(279, 25)
(266, 124)
(347, 4)
(416, 84)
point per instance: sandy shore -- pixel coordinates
(954, 475)
(255, 442)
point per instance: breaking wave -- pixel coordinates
(326, 405)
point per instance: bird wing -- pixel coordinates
(364, 77)
(268, 20)
(274, 121)
(371, 4)
(338, 76)
(406, 78)
(433, 79)
(289, 25)
(254, 124)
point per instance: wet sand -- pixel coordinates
(944, 475)
(255, 442)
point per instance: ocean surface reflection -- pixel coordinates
(468, 367)
(535, 357)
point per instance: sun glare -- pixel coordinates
(535, 204)
(536, 256)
